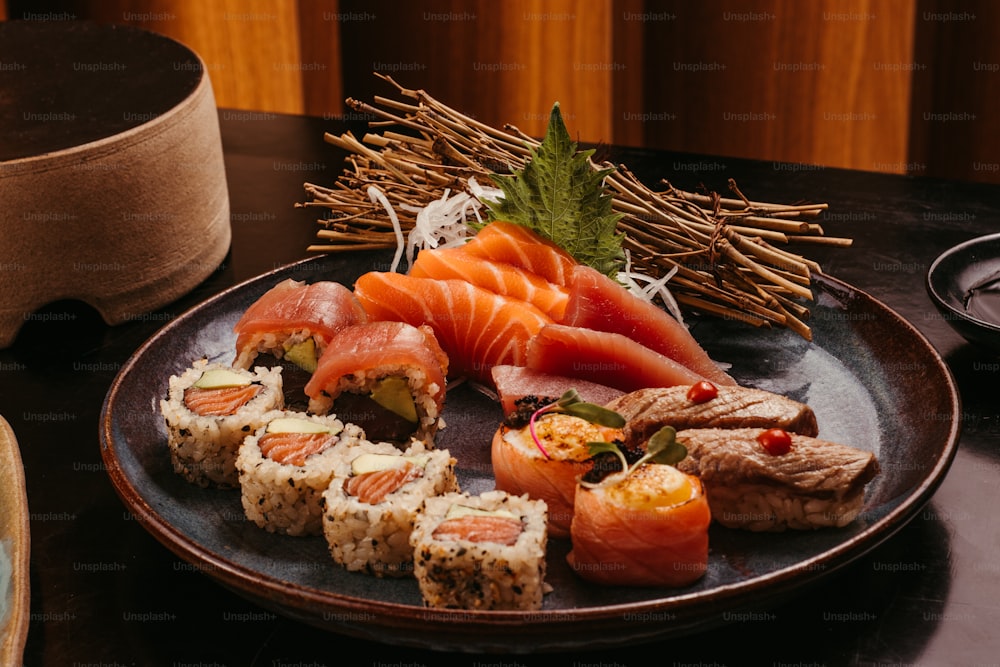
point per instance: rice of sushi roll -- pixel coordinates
(209, 409)
(481, 552)
(285, 466)
(372, 504)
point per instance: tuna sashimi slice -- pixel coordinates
(478, 329)
(605, 358)
(499, 277)
(598, 302)
(516, 382)
(515, 244)
(323, 307)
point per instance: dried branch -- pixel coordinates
(725, 248)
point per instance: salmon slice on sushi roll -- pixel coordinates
(388, 377)
(293, 322)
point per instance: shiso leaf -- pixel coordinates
(561, 196)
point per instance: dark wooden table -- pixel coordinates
(104, 592)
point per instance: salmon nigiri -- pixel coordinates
(598, 302)
(649, 529)
(499, 277)
(520, 466)
(515, 244)
(606, 358)
(478, 329)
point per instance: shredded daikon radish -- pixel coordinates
(378, 197)
(443, 223)
(484, 192)
(653, 287)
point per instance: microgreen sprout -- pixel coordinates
(570, 403)
(662, 448)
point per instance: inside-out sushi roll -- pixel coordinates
(646, 528)
(481, 552)
(209, 409)
(388, 377)
(286, 465)
(372, 503)
(294, 321)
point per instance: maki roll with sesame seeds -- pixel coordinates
(371, 505)
(209, 409)
(286, 465)
(481, 552)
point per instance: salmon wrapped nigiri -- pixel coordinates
(520, 466)
(392, 371)
(648, 529)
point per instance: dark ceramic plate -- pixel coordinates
(872, 379)
(964, 283)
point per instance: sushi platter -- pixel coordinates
(870, 376)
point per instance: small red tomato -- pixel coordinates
(702, 392)
(775, 441)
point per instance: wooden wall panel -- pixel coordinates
(503, 62)
(954, 119)
(816, 82)
(904, 86)
(253, 50)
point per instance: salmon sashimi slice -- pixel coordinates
(520, 467)
(294, 448)
(626, 535)
(476, 328)
(598, 302)
(515, 244)
(219, 401)
(381, 348)
(480, 528)
(322, 307)
(516, 383)
(605, 358)
(373, 487)
(499, 277)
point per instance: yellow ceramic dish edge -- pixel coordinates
(15, 543)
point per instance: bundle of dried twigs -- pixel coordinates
(724, 248)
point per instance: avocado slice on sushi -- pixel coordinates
(217, 378)
(296, 425)
(369, 462)
(393, 394)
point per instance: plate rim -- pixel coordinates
(251, 584)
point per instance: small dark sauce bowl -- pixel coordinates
(951, 277)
